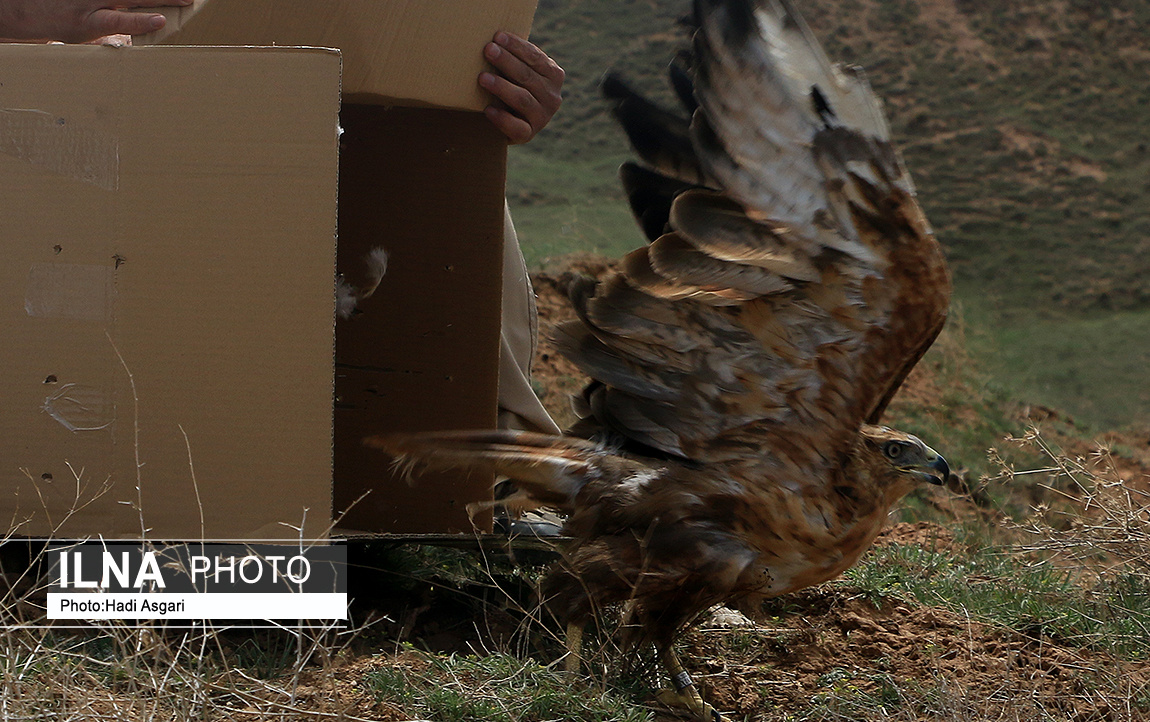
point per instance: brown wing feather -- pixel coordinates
(783, 309)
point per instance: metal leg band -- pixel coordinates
(682, 680)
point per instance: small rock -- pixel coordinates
(727, 618)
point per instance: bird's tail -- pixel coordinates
(549, 470)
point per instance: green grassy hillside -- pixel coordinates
(1023, 124)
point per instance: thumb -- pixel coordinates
(119, 22)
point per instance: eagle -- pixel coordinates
(729, 444)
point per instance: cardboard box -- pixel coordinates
(420, 174)
(167, 217)
(405, 52)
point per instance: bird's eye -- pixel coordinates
(893, 450)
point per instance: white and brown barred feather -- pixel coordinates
(737, 360)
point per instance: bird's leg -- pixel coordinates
(574, 647)
(685, 693)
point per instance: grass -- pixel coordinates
(141, 672)
(585, 213)
(851, 694)
(1092, 365)
(994, 585)
(496, 687)
(857, 694)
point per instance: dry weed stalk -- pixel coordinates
(1103, 525)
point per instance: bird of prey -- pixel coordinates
(741, 361)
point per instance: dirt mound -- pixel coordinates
(922, 534)
(555, 378)
(833, 652)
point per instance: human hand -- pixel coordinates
(78, 21)
(526, 88)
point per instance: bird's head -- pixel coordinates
(896, 455)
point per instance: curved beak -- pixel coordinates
(934, 469)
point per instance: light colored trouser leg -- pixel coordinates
(574, 648)
(519, 407)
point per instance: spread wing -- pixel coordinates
(791, 280)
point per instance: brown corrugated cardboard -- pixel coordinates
(425, 183)
(166, 303)
(407, 52)
(424, 353)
